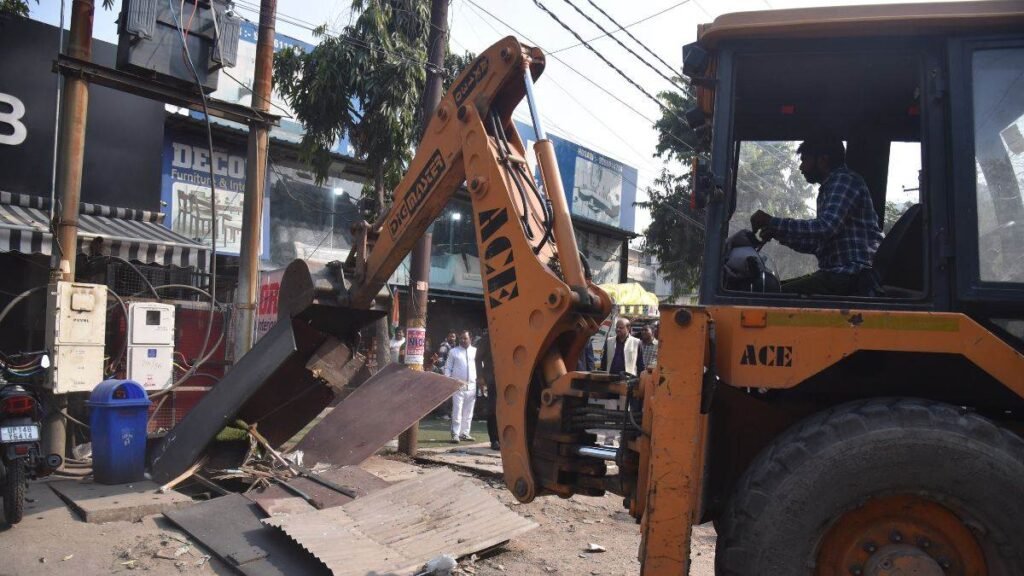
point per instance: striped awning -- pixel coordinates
(135, 235)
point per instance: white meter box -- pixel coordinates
(150, 366)
(76, 335)
(151, 323)
(151, 344)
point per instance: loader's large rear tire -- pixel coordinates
(879, 486)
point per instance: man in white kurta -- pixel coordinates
(461, 365)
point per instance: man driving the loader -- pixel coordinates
(845, 232)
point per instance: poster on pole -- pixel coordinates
(267, 304)
(415, 343)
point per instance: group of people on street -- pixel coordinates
(469, 362)
(627, 353)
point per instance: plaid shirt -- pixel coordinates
(649, 352)
(845, 233)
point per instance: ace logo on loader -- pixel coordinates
(777, 356)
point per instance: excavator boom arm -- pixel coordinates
(540, 309)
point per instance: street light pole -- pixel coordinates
(455, 217)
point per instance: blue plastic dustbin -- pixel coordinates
(118, 411)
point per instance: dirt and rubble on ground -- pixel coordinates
(566, 541)
(567, 530)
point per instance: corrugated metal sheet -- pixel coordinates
(397, 529)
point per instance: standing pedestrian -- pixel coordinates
(396, 345)
(450, 342)
(622, 354)
(648, 346)
(461, 365)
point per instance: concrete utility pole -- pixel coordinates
(419, 273)
(70, 159)
(255, 179)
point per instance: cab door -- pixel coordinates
(987, 139)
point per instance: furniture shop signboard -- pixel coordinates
(187, 164)
(597, 187)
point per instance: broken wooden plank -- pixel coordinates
(284, 506)
(397, 529)
(230, 528)
(98, 503)
(383, 407)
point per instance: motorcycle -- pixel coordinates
(20, 453)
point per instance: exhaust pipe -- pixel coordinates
(54, 461)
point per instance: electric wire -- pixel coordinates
(577, 72)
(607, 62)
(671, 81)
(634, 38)
(630, 25)
(213, 190)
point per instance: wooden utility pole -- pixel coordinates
(255, 179)
(419, 273)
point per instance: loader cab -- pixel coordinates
(932, 118)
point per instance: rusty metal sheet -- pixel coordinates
(385, 405)
(291, 399)
(182, 446)
(230, 528)
(397, 529)
(358, 480)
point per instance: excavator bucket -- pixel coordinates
(293, 372)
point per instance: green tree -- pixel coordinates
(364, 83)
(21, 7)
(676, 233)
(16, 7)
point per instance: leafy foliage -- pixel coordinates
(364, 83)
(16, 7)
(676, 233)
(21, 7)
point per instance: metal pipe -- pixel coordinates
(71, 157)
(599, 452)
(534, 114)
(565, 236)
(56, 131)
(255, 179)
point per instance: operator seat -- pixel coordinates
(899, 260)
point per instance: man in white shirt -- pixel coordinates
(461, 365)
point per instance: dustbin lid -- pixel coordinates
(118, 393)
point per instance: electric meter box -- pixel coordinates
(150, 323)
(76, 335)
(151, 344)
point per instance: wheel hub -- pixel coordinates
(902, 560)
(900, 536)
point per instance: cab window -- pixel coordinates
(869, 99)
(999, 162)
